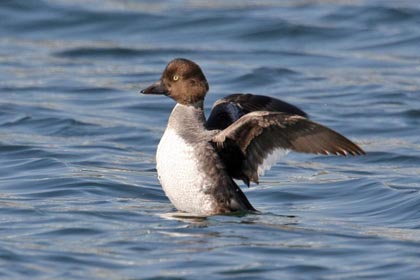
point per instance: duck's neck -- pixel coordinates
(187, 119)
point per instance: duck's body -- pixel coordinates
(197, 159)
(190, 172)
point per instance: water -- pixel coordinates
(79, 196)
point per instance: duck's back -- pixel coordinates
(229, 109)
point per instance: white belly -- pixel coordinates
(180, 176)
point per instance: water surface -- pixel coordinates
(79, 197)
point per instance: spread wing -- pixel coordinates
(229, 109)
(247, 144)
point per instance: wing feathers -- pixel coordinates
(260, 134)
(227, 110)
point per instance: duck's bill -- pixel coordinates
(156, 88)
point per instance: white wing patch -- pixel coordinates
(271, 159)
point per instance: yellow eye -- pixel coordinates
(175, 78)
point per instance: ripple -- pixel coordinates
(78, 185)
(373, 15)
(395, 158)
(289, 30)
(53, 126)
(394, 43)
(71, 232)
(264, 76)
(110, 52)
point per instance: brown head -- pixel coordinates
(181, 80)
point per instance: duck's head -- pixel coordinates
(181, 80)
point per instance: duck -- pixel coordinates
(199, 159)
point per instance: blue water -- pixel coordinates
(79, 197)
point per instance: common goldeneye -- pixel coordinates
(197, 159)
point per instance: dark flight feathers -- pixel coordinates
(248, 141)
(229, 109)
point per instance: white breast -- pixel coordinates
(179, 174)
